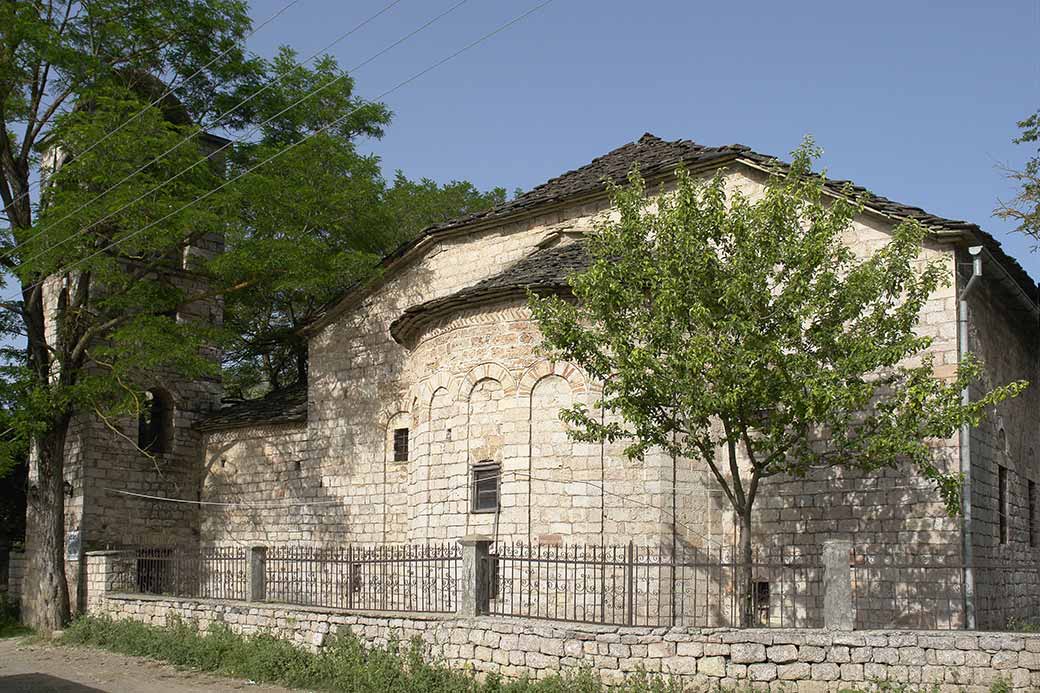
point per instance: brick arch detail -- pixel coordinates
(545, 368)
(423, 393)
(488, 370)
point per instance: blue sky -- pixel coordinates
(915, 100)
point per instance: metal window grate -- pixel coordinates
(485, 487)
(400, 445)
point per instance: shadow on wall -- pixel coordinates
(275, 495)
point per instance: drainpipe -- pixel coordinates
(965, 444)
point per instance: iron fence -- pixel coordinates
(652, 586)
(423, 578)
(199, 573)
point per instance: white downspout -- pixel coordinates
(963, 347)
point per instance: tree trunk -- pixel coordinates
(45, 591)
(745, 574)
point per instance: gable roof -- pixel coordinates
(546, 268)
(288, 405)
(658, 158)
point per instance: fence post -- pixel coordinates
(838, 613)
(474, 599)
(256, 573)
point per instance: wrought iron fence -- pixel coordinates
(380, 578)
(422, 578)
(200, 573)
(651, 586)
(915, 590)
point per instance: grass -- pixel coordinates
(345, 663)
(9, 625)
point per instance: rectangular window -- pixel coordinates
(1002, 503)
(761, 602)
(400, 445)
(485, 488)
(1032, 513)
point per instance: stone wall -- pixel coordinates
(1006, 341)
(803, 661)
(15, 573)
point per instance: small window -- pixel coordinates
(485, 487)
(760, 604)
(400, 445)
(1002, 503)
(1032, 513)
(155, 423)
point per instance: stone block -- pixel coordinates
(793, 672)
(712, 666)
(747, 653)
(826, 671)
(762, 672)
(782, 654)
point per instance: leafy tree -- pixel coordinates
(71, 72)
(745, 335)
(317, 222)
(1025, 208)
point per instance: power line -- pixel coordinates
(306, 137)
(166, 93)
(215, 121)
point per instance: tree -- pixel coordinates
(317, 222)
(1024, 209)
(745, 335)
(79, 68)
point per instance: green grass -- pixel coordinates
(345, 663)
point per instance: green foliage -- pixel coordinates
(1024, 209)
(721, 322)
(315, 221)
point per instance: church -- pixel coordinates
(429, 413)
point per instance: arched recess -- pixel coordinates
(155, 422)
(423, 393)
(543, 368)
(486, 371)
(398, 451)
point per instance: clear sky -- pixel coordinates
(915, 100)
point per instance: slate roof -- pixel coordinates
(546, 268)
(288, 405)
(657, 157)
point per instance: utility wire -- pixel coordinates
(166, 93)
(217, 120)
(306, 137)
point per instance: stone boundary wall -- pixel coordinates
(800, 661)
(15, 573)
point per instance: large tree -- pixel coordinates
(1024, 209)
(747, 336)
(317, 222)
(61, 63)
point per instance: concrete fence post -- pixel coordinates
(838, 611)
(474, 597)
(256, 573)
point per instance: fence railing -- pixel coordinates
(201, 573)
(840, 588)
(652, 586)
(421, 578)
(383, 578)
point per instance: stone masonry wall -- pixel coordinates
(800, 661)
(1008, 343)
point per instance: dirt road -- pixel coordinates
(52, 669)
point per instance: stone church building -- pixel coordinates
(429, 414)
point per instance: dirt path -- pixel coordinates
(44, 668)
